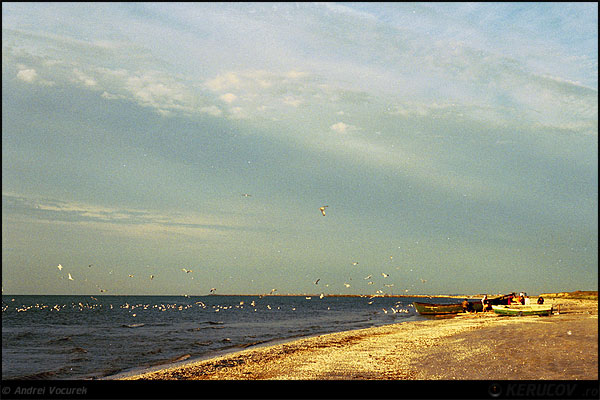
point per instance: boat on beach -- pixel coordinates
(519, 309)
(443, 309)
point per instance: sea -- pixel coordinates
(103, 337)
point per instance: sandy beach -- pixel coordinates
(481, 346)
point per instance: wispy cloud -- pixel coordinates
(118, 220)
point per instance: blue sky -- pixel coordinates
(455, 145)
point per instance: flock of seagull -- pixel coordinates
(316, 282)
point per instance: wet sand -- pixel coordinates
(481, 346)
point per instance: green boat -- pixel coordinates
(442, 309)
(519, 310)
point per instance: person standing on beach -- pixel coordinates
(467, 307)
(484, 303)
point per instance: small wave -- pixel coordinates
(78, 350)
(207, 343)
(109, 372)
(181, 358)
(153, 352)
(132, 325)
(45, 375)
(172, 360)
(202, 328)
(23, 335)
(244, 345)
(60, 340)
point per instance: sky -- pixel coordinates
(455, 146)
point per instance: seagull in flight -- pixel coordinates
(151, 277)
(130, 275)
(59, 267)
(355, 263)
(212, 290)
(71, 278)
(322, 209)
(246, 195)
(368, 277)
(187, 271)
(347, 284)
(317, 281)
(385, 275)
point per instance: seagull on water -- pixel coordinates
(322, 209)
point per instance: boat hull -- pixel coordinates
(444, 309)
(520, 310)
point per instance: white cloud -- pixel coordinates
(160, 92)
(30, 75)
(85, 79)
(238, 113)
(109, 96)
(342, 127)
(211, 110)
(228, 97)
(292, 101)
(296, 74)
(223, 82)
(27, 75)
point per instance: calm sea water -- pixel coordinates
(85, 337)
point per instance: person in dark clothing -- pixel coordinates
(467, 307)
(540, 300)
